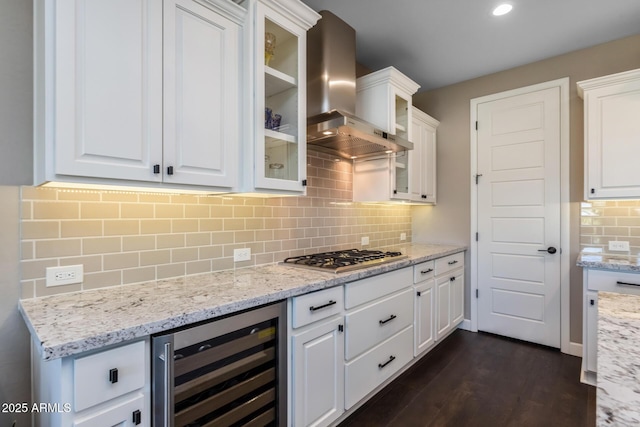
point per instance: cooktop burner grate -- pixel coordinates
(344, 260)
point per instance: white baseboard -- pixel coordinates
(466, 325)
(575, 349)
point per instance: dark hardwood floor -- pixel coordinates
(478, 379)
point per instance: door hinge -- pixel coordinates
(476, 125)
(340, 328)
(476, 236)
(478, 177)
(476, 293)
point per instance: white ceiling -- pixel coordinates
(441, 42)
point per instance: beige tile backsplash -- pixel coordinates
(125, 237)
(610, 220)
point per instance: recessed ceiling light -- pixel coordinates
(502, 9)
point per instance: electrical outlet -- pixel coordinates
(365, 241)
(65, 275)
(243, 254)
(403, 236)
(619, 246)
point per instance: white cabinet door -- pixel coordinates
(591, 331)
(201, 95)
(105, 86)
(457, 298)
(280, 150)
(424, 316)
(612, 135)
(423, 158)
(318, 385)
(443, 299)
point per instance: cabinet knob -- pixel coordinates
(419, 293)
(452, 279)
(593, 191)
(113, 375)
(592, 302)
(136, 417)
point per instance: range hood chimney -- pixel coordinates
(332, 125)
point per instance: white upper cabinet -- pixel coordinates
(277, 142)
(384, 99)
(612, 135)
(202, 97)
(138, 92)
(422, 160)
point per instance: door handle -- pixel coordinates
(550, 250)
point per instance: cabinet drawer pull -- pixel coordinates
(429, 270)
(382, 322)
(592, 302)
(156, 169)
(382, 365)
(113, 375)
(628, 284)
(330, 303)
(452, 279)
(170, 170)
(455, 261)
(136, 417)
(419, 293)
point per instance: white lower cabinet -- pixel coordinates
(318, 389)
(368, 371)
(317, 345)
(379, 331)
(348, 341)
(105, 388)
(594, 281)
(424, 287)
(449, 284)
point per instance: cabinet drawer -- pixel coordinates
(368, 371)
(372, 288)
(448, 263)
(315, 306)
(372, 324)
(127, 414)
(109, 374)
(423, 271)
(613, 281)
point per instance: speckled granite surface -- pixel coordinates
(72, 323)
(609, 262)
(618, 394)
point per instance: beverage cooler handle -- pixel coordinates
(168, 384)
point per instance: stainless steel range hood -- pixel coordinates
(332, 125)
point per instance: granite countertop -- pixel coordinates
(603, 261)
(618, 394)
(67, 324)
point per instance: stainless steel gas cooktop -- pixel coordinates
(344, 260)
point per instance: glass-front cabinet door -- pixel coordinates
(280, 162)
(401, 165)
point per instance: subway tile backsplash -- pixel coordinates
(603, 221)
(126, 237)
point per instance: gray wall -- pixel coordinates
(449, 220)
(15, 169)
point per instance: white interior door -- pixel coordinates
(519, 209)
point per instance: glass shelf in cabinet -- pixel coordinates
(277, 81)
(275, 135)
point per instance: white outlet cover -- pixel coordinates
(403, 236)
(65, 275)
(619, 245)
(365, 241)
(243, 254)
